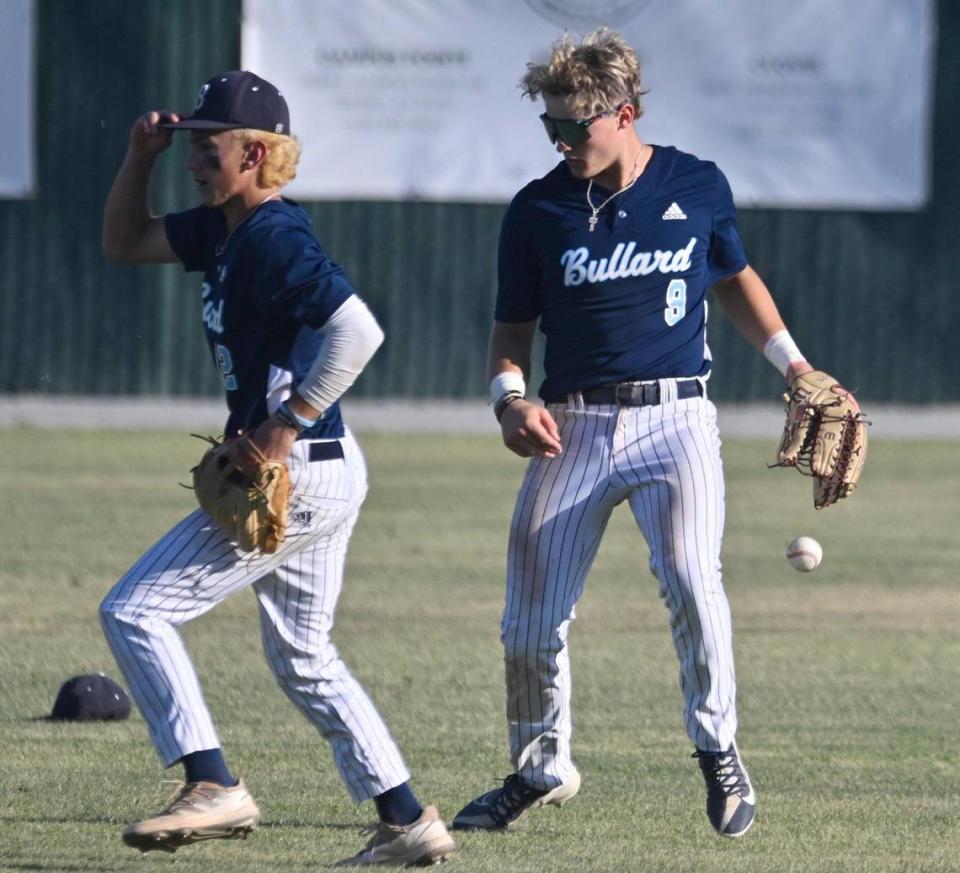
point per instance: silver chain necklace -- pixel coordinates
(595, 217)
(222, 247)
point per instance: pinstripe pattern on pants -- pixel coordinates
(193, 567)
(664, 461)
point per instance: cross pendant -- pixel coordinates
(592, 221)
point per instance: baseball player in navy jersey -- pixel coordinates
(612, 254)
(288, 335)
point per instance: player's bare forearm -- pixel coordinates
(126, 214)
(748, 302)
(130, 232)
(528, 429)
(510, 348)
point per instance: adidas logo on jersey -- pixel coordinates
(674, 213)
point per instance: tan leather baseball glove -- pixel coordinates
(825, 436)
(245, 493)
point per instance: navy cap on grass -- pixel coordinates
(90, 698)
(236, 99)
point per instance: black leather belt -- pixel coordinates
(326, 451)
(635, 394)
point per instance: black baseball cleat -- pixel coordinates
(499, 808)
(731, 801)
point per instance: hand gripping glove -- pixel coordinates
(825, 436)
(245, 493)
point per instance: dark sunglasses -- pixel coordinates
(571, 131)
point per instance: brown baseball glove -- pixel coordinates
(245, 493)
(825, 436)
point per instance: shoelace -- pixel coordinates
(372, 832)
(724, 773)
(514, 797)
(179, 786)
(184, 794)
(378, 834)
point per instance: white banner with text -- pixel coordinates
(802, 103)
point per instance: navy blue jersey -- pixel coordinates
(627, 301)
(267, 287)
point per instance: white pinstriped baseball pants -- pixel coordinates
(665, 462)
(193, 567)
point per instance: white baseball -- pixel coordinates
(804, 554)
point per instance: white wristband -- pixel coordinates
(782, 351)
(507, 382)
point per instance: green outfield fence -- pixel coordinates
(869, 296)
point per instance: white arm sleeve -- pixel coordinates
(352, 335)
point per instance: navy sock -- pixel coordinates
(208, 766)
(398, 806)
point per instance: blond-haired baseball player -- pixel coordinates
(288, 335)
(612, 254)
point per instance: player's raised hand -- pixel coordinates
(529, 429)
(147, 137)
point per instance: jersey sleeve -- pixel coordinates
(518, 273)
(727, 255)
(294, 272)
(190, 235)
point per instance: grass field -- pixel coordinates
(849, 677)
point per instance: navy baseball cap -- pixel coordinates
(236, 99)
(90, 698)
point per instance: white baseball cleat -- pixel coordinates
(731, 800)
(500, 807)
(200, 811)
(426, 841)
